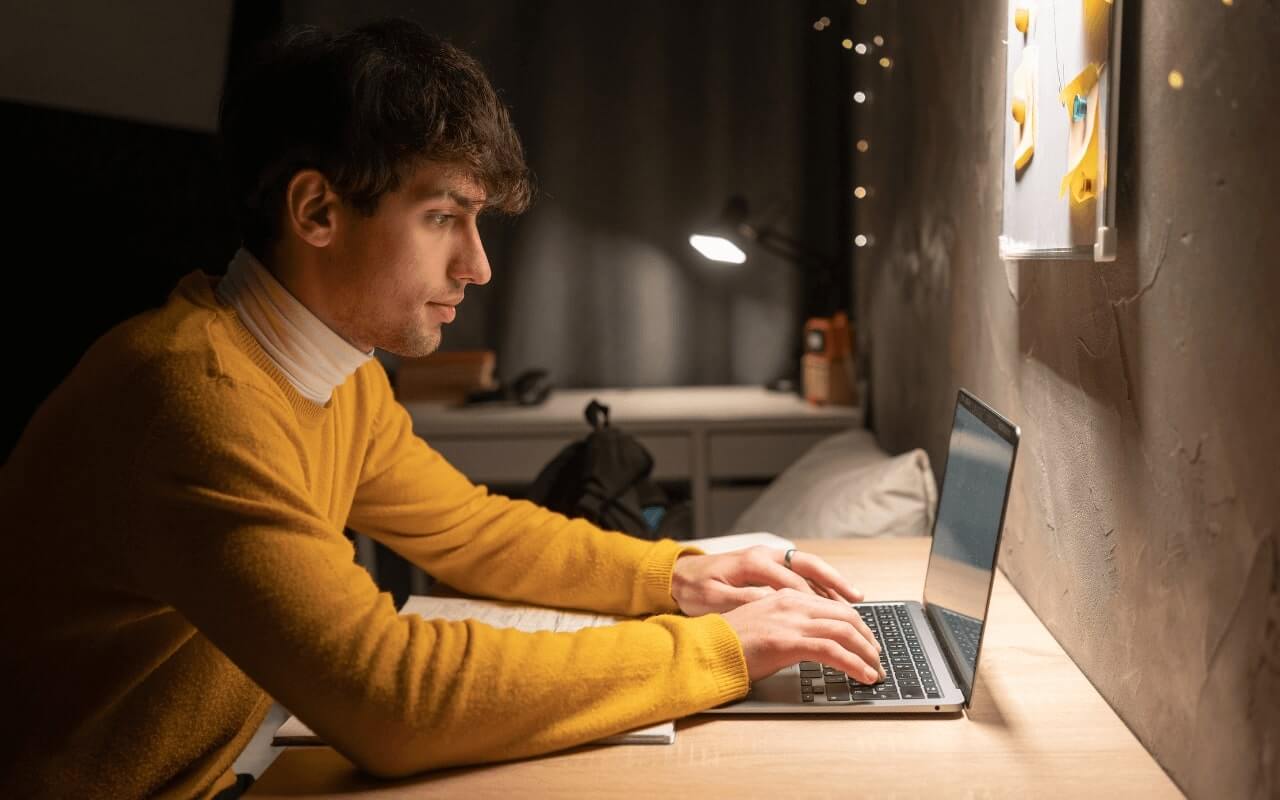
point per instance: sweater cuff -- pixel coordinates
(655, 574)
(725, 659)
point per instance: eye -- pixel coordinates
(439, 220)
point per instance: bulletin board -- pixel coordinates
(1060, 121)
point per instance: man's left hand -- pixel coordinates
(715, 583)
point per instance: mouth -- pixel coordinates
(447, 310)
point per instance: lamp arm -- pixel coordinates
(790, 248)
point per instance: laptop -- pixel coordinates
(929, 649)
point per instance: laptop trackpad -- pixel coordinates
(781, 687)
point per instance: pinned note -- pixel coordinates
(1022, 19)
(1082, 135)
(1023, 108)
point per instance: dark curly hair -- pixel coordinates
(362, 107)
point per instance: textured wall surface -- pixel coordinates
(1143, 524)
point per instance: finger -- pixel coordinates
(821, 591)
(852, 640)
(842, 611)
(820, 573)
(830, 652)
(765, 567)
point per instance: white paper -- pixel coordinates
(739, 541)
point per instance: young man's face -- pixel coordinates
(400, 274)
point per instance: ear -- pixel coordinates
(309, 206)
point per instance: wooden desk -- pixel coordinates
(1036, 728)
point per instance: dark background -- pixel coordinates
(639, 121)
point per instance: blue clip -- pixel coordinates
(1078, 108)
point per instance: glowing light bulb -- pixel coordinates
(860, 49)
(1175, 79)
(847, 44)
(886, 62)
(863, 145)
(718, 248)
(878, 39)
(860, 240)
(859, 97)
(859, 192)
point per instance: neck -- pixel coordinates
(311, 354)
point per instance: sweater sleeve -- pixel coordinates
(230, 539)
(419, 505)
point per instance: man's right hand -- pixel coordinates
(787, 626)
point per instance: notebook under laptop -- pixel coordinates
(929, 649)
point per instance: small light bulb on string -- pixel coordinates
(847, 44)
(861, 240)
(859, 97)
(886, 62)
(878, 40)
(863, 145)
(860, 48)
(860, 192)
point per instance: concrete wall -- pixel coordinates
(1143, 524)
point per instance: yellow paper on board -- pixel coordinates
(1023, 107)
(1082, 138)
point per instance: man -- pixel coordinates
(176, 507)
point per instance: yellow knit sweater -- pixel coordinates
(174, 558)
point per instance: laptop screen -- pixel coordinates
(966, 534)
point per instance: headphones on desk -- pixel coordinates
(529, 388)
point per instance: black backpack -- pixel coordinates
(605, 479)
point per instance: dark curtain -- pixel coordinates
(640, 119)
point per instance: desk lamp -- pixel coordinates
(727, 237)
(723, 239)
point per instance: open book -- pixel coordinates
(501, 614)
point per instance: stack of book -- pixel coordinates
(445, 378)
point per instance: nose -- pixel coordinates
(470, 264)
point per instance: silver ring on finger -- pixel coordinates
(786, 559)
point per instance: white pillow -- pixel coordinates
(847, 486)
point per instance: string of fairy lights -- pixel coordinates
(862, 96)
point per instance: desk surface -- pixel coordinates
(1037, 728)
(637, 409)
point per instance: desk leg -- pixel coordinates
(700, 481)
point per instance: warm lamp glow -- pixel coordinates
(718, 248)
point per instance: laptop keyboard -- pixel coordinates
(907, 672)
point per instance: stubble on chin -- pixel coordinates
(415, 344)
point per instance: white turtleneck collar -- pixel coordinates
(314, 358)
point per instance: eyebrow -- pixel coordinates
(426, 194)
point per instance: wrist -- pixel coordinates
(680, 580)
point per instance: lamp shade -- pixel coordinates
(717, 248)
